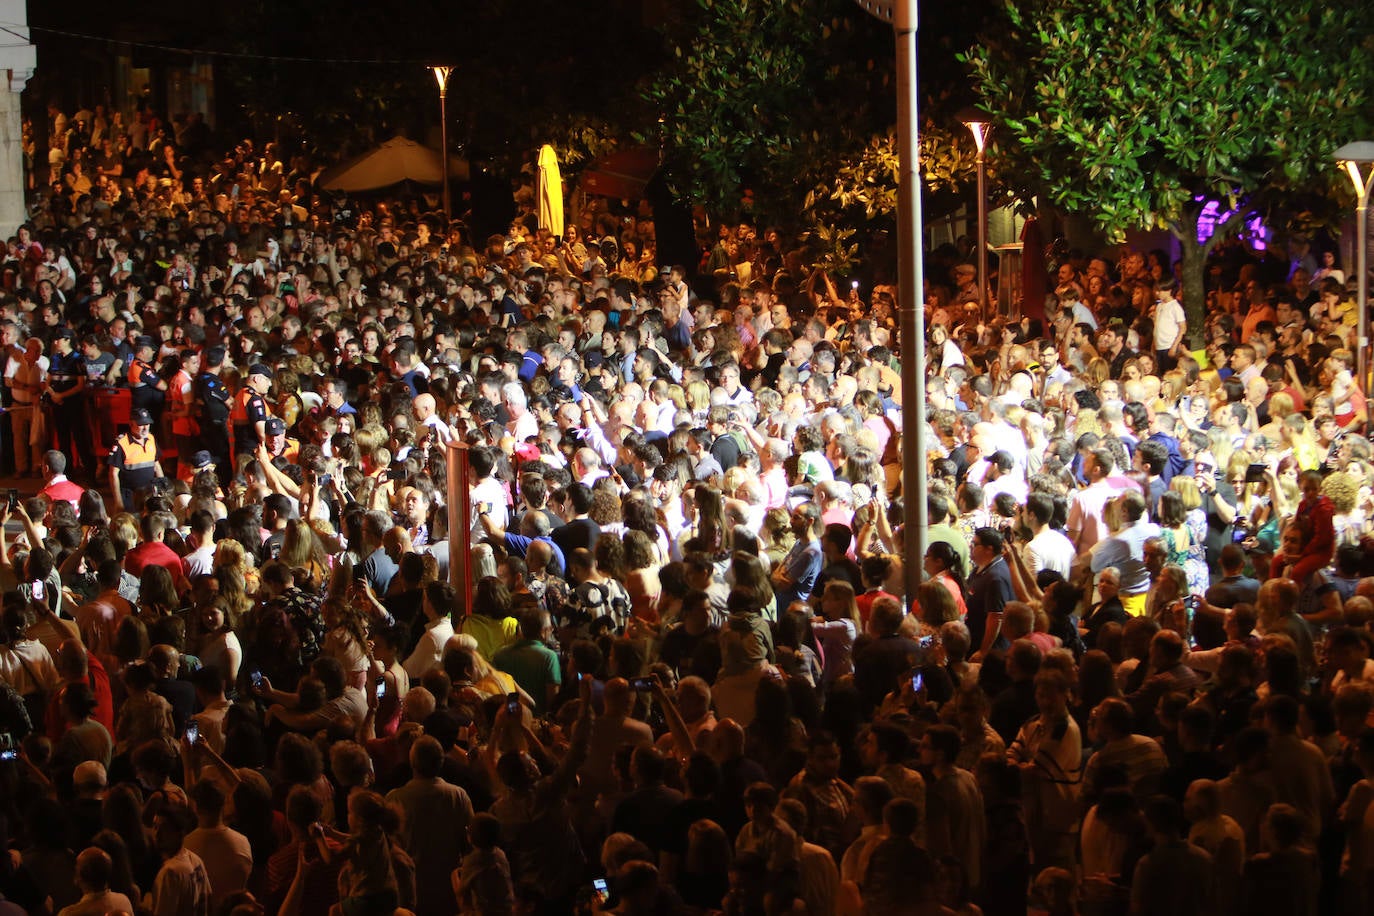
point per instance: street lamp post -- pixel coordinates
(1352, 156)
(978, 125)
(441, 75)
(910, 292)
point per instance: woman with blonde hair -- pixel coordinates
(346, 639)
(1280, 408)
(1097, 371)
(231, 571)
(777, 535)
(465, 665)
(1220, 445)
(1195, 520)
(1166, 599)
(936, 606)
(1085, 421)
(124, 533)
(678, 396)
(699, 401)
(304, 554)
(1343, 489)
(1172, 386)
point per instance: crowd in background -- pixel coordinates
(235, 677)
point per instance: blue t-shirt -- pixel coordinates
(803, 565)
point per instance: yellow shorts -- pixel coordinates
(1134, 604)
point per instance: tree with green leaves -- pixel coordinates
(765, 96)
(862, 189)
(1141, 112)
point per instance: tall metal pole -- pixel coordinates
(983, 299)
(910, 292)
(1351, 157)
(441, 75)
(459, 521)
(1362, 297)
(911, 295)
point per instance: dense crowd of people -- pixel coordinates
(235, 677)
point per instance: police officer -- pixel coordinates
(213, 400)
(134, 462)
(66, 393)
(146, 389)
(279, 444)
(249, 414)
(199, 460)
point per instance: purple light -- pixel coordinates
(1253, 231)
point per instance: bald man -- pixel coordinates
(424, 407)
(586, 466)
(94, 869)
(737, 772)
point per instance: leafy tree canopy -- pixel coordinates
(1132, 110)
(765, 95)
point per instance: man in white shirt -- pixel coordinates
(439, 602)
(93, 872)
(523, 424)
(487, 495)
(182, 886)
(200, 560)
(423, 407)
(1049, 549)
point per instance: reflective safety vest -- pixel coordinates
(181, 397)
(136, 461)
(238, 414)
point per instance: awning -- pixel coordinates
(621, 174)
(396, 160)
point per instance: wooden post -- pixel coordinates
(459, 524)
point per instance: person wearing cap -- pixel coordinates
(213, 401)
(89, 787)
(134, 463)
(249, 415)
(200, 460)
(66, 392)
(279, 444)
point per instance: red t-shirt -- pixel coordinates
(154, 553)
(1354, 409)
(865, 602)
(99, 680)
